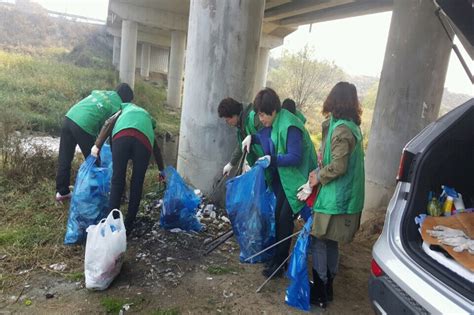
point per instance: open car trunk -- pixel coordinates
(442, 154)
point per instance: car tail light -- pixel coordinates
(404, 167)
(375, 268)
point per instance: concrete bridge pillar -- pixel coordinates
(262, 69)
(128, 52)
(221, 56)
(116, 52)
(145, 61)
(175, 71)
(409, 95)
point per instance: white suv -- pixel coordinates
(406, 279)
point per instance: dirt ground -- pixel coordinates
(166, 273)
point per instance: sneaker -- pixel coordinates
(62, 198)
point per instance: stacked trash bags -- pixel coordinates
(179, 204)
(90, 199)
(251, 210)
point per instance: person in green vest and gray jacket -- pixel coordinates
(81, 127)
(133, 138)
(246, 122)
(290, 106)
(337, 209)
(291, 156)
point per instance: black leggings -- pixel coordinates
(71, 135)
(283, 226)
(124, 149)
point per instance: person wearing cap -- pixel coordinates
(246, 122)
(290, 106)
(133, 138)
(81, 126)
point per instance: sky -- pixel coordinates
(357, 45)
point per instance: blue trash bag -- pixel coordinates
(297, 293)
(251, 209)
(90, 198)
(179, 204)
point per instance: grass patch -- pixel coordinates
(219, 270)
(170, 311)
(112, 305)
(75, 276)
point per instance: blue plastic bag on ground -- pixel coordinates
(297, 293)
(90, 198)
(250, 207)
(179, 204)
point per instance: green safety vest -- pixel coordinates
(91, 112)
(249, 128)
(345, 194)
(300, 116)
(135, 117)
(292, 177)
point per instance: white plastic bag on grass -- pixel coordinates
(105, 250)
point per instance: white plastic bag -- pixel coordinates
(105, 250)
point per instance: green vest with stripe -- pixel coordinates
(292, 177)
(91, 112)
(345, 194)
(135, 117)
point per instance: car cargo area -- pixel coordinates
(442, 155)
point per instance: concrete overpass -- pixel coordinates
(227, 44)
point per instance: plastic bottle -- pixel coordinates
(447, 206)
(434, 209)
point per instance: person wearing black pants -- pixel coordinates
(124, 149)
(291, 156)
(132, 138)
(81, 126)
(71, 136)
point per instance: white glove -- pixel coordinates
(246, 143)
(227, 168)
(95, 151)
(441, 232)
(459, 243)
(246, 167)
(304, 191)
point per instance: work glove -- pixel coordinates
(305, 213)
(265, 160)
(246, 144)
(95, 151)
(227, 168)
(304, 191)
(246, 167)
(442, 232)
(459, 243)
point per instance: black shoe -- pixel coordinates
(318, 294)
(329, 290)
(267, 272)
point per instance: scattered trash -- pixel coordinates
(227, 295)
(49, 295)
(198, 192)
(28, 302)
(58, 266)
(176, 230)
(2, 257)
(209, 278)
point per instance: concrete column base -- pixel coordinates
(377, 198)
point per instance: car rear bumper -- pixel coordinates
(388, 298)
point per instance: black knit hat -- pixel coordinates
(125, 92)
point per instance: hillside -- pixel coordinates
(27, 25)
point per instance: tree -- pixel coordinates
(304, 79)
